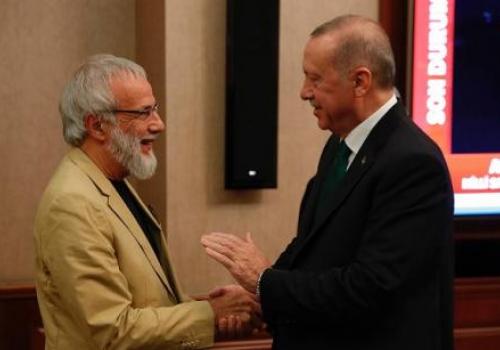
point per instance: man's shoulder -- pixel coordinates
(407, 146)
(407, 138)
(69, 184)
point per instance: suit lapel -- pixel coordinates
(361, 164)
(146, 208)
(358, 168)
(165, 263)
(120, 209)
(327, 156)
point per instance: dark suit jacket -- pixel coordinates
(375, 272)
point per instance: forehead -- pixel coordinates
(318, 52)
(131, 91)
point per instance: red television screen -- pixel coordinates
(455, 94)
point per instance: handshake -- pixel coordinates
(237, 312)
(236, 307)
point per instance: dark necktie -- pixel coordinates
(334, 175)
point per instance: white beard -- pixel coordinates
(126, 149)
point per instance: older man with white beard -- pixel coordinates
(104, 279)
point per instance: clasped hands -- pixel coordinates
(237, 312)
(245, 261)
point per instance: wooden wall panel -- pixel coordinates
(477, 339)
(19, 317)
(477, 314)
(477, 318)
(477, 302)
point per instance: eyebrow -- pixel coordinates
(148, 105)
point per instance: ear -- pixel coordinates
(93, 125)
(362, 79)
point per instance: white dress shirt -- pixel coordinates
(358, 135)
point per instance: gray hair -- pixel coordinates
(362, 42)
(89, 93)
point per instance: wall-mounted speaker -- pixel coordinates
(252, 53)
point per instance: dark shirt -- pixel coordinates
(147, 225)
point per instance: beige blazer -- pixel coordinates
(99, 282)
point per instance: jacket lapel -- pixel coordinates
(358, 168)
(361, 164)
(310, 205)
(120, 209)
(165, 264)
(146, 208)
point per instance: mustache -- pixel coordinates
(150, 137)
(313, 103)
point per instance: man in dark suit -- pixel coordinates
(371, 265)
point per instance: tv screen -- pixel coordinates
(456, 96)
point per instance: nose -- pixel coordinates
(156, 125)
(306, 91)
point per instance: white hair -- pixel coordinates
(89, 93)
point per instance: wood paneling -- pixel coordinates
(249, 344)
(477, 338)
(477, 318)
(477, 314)
(477, 303)
(19, 317)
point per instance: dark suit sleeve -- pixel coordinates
(404, 236)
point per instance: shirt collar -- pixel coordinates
(358, 135)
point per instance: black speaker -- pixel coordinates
(252, 50)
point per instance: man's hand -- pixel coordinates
(237, 312)
(243, 259)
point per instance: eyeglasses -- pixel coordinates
(141, 113)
